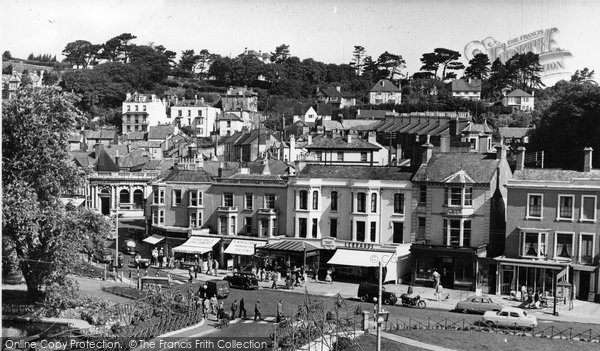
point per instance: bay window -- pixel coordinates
(533, 244)
(563, 245)
(456, 232)
(458, 196)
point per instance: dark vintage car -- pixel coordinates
(244, 280)
(130, 247)
(106, 256)
(369, 292)
(478, 304)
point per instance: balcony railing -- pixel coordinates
(227, 209)
(267, 211)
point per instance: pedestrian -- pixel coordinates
(206, 308)
(242, 308)
(439, 291)
(214, 304)
(234, 307)
(410, 289)
(196, 265)
(262, 275)
(279, 311)
(164, 262)
(523, 293)
(191, 272)
(209, 265)
(274, 286)
(204, 267)
(154, 256)
(328, 277)
(160, 258)
(257, 313)
(436, 278)
(216, 266)
(137, 260)
(375, 308)
(536, 299)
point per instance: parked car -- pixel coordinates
(368, 291)
(103, 255)
(510, 317)
(478, 304)
(217, 287)
(130, 247)
(244, 280)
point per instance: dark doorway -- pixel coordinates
(398, 232)
(584, 286)
(105, 205)
(447, 273)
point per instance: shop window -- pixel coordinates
(334, 200)
(565, 204)
(563, 247)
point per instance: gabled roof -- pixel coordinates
(101, 134)
(513, 132)
(276, 167)
(188, 176)
(361, 124)
(518, 93)
(104, 163)
(443, 166)
(232, 138)
(301, 109)
(160, 132)
(248, 138)
(372, 114)
(478, 128)
(74, 137)
(228, 116)
(333, 92)
(465, 85)
(323, 142)
(82, 158)
(353, 172)
(460, 177)
(385, 85)
(133, 159)
(332, 125)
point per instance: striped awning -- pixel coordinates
(197, 245)
(288, 245)
(243, 247)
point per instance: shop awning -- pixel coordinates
(154, 239)
(243, 247)
(197, 245)
(360, 258)
(289, 246)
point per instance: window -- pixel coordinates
(534, 206)
(361, 199)
(302, 227)
(451, 232)
(360, 231)
(588, 208)
(223, 229)
(136, 108)
(144, 108)
(563, 247)
(189, 113)
(270, 201)
(373, 203)
(373, 231)
(466, 242)
(228, 199)
(155, 217)
(155, 193)
(179, 113)
(314, 227)
(421, 228)
(176, 197)
(586, 248)
(334, 200)
(303, 200)
(398, 232)
(315, 200)
(363, 157)
(319, 156)
(193, 220)
(161, 216)
(232, 224)
(248, 224)
(195, 198)
(534, 244)
(333, 227)
(455, 196)
(340, 156)
(565, 207)
(161, 196)
(468, 197)
(199, 113)
(128, 108)
(228, 124)
(248, 202)
(422, 195)
(399, 203)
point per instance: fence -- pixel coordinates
(552, 332)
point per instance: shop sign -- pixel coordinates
(328, 243)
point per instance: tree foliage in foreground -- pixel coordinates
(37, 228)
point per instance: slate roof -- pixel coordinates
(372, 114)
(518, 93)
(513, 132)
(74, 137)
(361, 124)
(191, 103)
(478, 128)
(301, 109)
(558, 175)
(147, 144)
(332, 125)
(135, 136)
(353, 172)
(228, 116)
(104, 162)
(160, 132)
(188, 176)
(212, 167)
(385, 85)
(323, 142)
(275, 166)
(323, 109)
(101, 134)
(480, 168)
(464, 85)
(332, 92)
(82, 158)
(253, 135)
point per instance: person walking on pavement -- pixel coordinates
(279, 311)
(214, 304)
(242, 308)
(257, 313)
(216, 266)
(191, 272)
(234, 307)
(154, 256)
(274, 286)
(160, 258)
(439, 290)
(206, 308)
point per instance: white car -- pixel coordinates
(510, 317)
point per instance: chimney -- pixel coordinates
(587, 159)
(338, 88)
(220, 170)
(501, 152)
(398, 152)
(372, 138)
(266, 170)
(427, 151)
(309, 141)
(452, 125)
(383, 82)
(349, 136)
(520, 158)
(97, 148)
(128, 96)
(117, 159)
(483, 143)
(292, 153)
(445, 143)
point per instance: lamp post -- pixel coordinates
(304, 255)
(379, 314)
(117, 234)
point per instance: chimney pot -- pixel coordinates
(520, 158)
(587, 159)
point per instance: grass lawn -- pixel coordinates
(369, 342)
(466, 341)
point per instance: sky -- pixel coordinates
(326, 30)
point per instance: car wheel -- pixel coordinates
(387, 301)
(464, 310)
(363, 298)
(421, 304)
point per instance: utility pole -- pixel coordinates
(117, 235)
(379, 307)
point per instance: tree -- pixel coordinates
(358, 57)
(37, 171)
(81, 53)
(445, 58)
(583, 76)
(188, 62)
(569, 125)
(204, 60)
(478, 67)
(221, 69)
(152, 66)
(6, 56)
(391, 64)
(282, 53)
(50, 78)
(498, 80)
(523, 71)
(118, 48)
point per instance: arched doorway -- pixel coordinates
(138, 198)
(124, 196)
(105, 201)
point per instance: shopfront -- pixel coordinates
(240, 254)
(195, 249)
(283, 254)
(541, 275)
